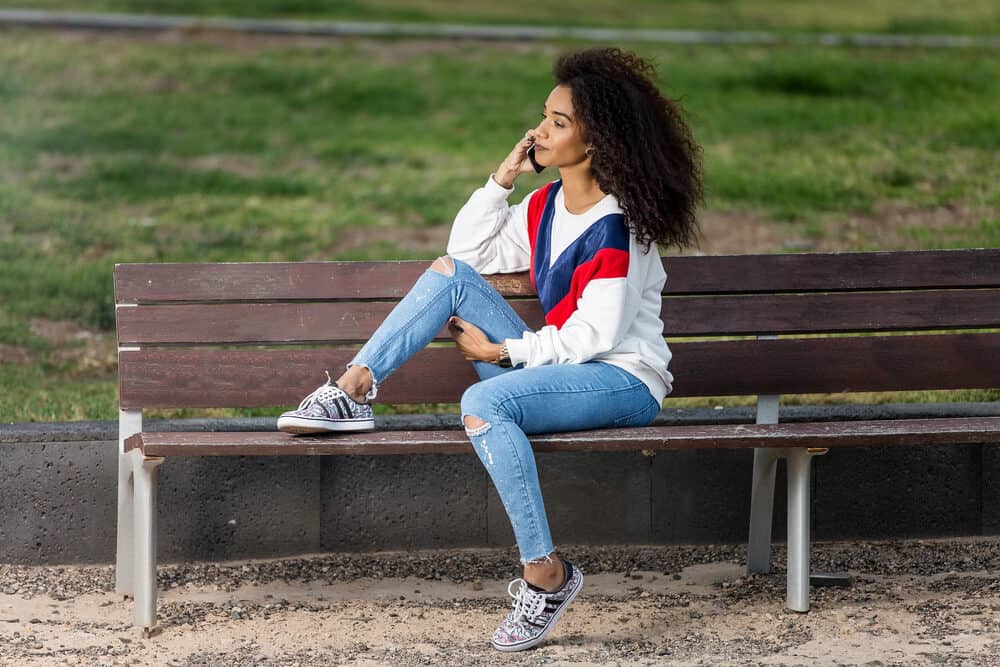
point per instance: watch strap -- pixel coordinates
(503, 361)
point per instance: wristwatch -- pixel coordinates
(503, 361)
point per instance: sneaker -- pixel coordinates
(327, 409)
(535, 611)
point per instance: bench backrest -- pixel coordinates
(261, 334)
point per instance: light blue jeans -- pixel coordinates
(513, 402)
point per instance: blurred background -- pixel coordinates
(201, 144)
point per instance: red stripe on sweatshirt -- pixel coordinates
(536, 206)
(606, 263)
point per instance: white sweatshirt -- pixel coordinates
(602, 299)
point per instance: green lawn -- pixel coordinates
(893, 16)
(129, 150)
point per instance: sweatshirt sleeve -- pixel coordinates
(604, 313)
(489, 235)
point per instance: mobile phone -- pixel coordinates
(531, 156)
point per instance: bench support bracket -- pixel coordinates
(765, 466)
(144, 527)
(129, 423)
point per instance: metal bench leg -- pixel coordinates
(129, 423)
(125, 553)
(799, 461)
(765, 466)
(144, 472)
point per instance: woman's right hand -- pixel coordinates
(517, 162)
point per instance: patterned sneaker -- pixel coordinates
(535, 612)
(327, 409)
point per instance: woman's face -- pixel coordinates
(558, 141)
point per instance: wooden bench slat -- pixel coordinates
(964, 430)
(834, 365)
(841, 271)
(286, 281)
(831, 312)
(280, 281)
(203, 377)
(349, 322)
(259, 323)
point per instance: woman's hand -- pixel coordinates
(517, 162)
(472, 342)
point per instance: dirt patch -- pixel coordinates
(11, 354)
(80, 351)
(61, 332)
(737, 233)
(241, 165)
(95, 359)
(889, 227)
(902, 227)
(64, 167)
(915, 602)
(413, 238)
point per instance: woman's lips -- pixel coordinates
(540, 148)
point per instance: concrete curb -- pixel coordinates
(148, 22)
(59, 480)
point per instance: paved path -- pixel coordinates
(149, 22)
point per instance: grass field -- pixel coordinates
(892, 16)
(123, 149)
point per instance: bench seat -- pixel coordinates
(963, 430)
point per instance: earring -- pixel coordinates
(589, 151)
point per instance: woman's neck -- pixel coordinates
(580, 189)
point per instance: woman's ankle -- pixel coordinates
(547, 576)
(357, 383)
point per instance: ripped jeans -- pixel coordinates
(513, 402)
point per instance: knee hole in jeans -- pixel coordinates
(444, 265)
(475, 426)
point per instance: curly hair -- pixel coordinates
(643, 151)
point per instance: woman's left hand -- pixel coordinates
(471, 341)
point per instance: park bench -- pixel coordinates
(258, 334)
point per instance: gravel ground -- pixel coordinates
(914, 602)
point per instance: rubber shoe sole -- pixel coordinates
(307, 425)
(535, 641)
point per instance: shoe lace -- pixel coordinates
(314, 396)
(527, 603)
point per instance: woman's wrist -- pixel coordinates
(504, 177)
(492, 352)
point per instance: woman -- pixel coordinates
(630, 180)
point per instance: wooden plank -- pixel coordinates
(822, 272)
(186, 377)
(738, 274)
(831, 312)
(204, 377)
(262, 323)
(281, 281)
(354, 322)
(832, 365)
(822, 434)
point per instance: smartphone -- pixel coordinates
(531, 156)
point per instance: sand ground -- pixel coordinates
(916, 602)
